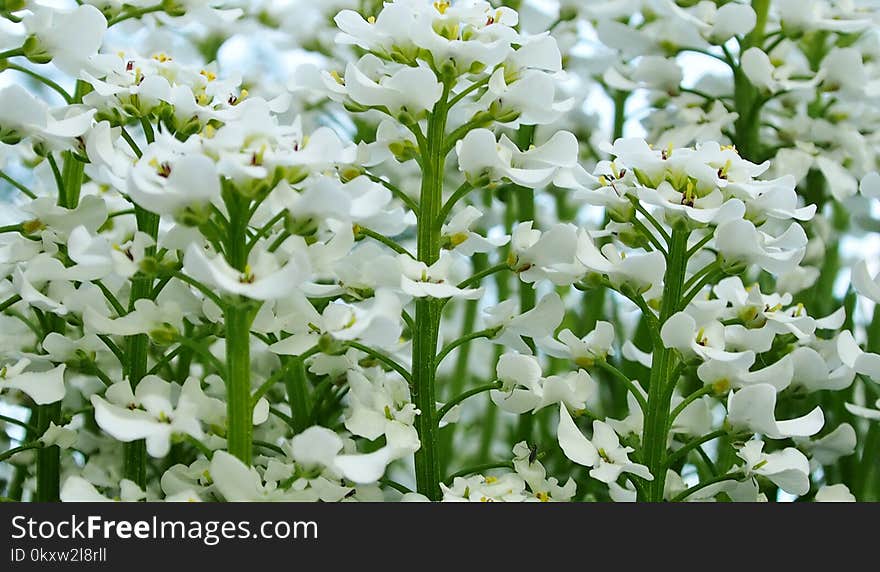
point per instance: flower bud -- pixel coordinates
(630, 237)
(403, 151)
(732, 267)
(622, 213)
(35, 52)
(567, 13)
(150, 266)
(350, 172)
(12, 5)
(173, 9)
(164, 335)
(32, 226)
(193, 215)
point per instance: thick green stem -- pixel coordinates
(48, 458)
(428, 310)
(297, 384)
(746, 97)
(239, 413)
(239, 314)
(656, 430)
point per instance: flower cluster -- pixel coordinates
(415, 266)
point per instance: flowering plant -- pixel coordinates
(361, 250)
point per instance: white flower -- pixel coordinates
(653, 72)
(369, 83)
(479, 155)
(813, 372)
(172, 178)
(520, 376)
(375, 322)
(680, 332)
(43, 387)
(548, 255)
(603, 452)
(754, 408)
(788, 469)
(869, 186)
(827, 450)
(23, 115)
(739, 241)
(865, 363)
(834, 493)
(237, 482)
(147, 413)
(523, 389)
(70, 37)
(641, 271)
(457, 232)
(761, 72)
(539, 323)
(61, 436)
(535, 475)
(507, 487)
(96, 258)
(265, 279)
(381, 405)
(78, 489)
(735, 373)
(863, 283)
(730, 20)
(420, 280)
(807, 15)
(585, 351)
(145, 317)
(523, 89)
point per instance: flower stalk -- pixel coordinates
(656, 430)
(428, 310)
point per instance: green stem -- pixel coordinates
(298, 396)
(44, 80)
(655, 431)
(239, 314)
(18, 422)
(461, 192)
(135, 14)
(487, 333)
(619, 98)
(705, 390)
(692, 293)
(363, 231)
(11, 53)
(239, 430)
(630, 386)
(383, 358)
(428, 310)
(27, 192)
(48, 458)
(478, 276)
(691, 445)
(447, 407)
(27, 446)
(727, 477)
(396, 191)
(9, 302)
